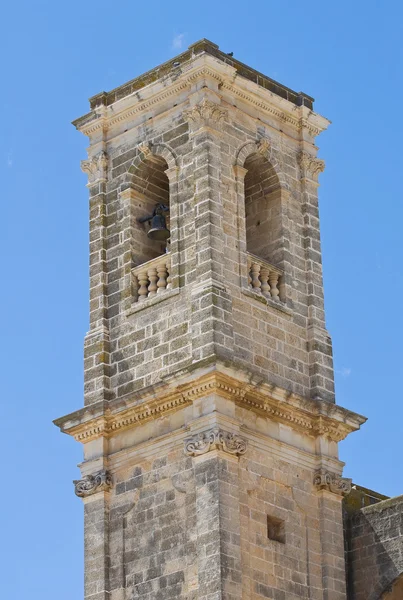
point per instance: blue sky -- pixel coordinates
(348, 55)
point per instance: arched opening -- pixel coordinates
(151, 182)
(263, 210)
(395, 590)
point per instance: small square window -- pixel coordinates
(275, 529)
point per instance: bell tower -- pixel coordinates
(209, 427)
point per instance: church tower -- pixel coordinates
(209, 427)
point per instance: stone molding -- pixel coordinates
(325, 480)
(310, 164)
(205, 112)
(312, 417)
(96, 167)
(263, 100)
(91, 484)
(215, 439)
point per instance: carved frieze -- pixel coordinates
(325, 480)
(206, 112)
(310, 165)
(96, 167)
(90, 484)
(215, 439)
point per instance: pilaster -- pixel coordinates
(212, 333)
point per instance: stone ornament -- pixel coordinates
(205, 111)
(264, 147)
(145, 148)
(310, 164)
(90, 484)
(325, 480)
(96, 167)
(215, 439)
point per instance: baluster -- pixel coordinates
(264, 276)
(249, 273)
(162, 278)
(135, 288)
(281, 289)
(152, 288)
(273, 280)
(169, 280)
(255, 269)
(143, 282)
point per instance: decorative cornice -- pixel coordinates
(206, 112)
(311, 417)
(325, 480)
(215, 439)
(91, 484)
(96, 167)
(310, 164)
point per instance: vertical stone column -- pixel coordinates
(211, 303)
(96, 344)
(331, 488)
(319, 342)
(216, 454)
(94, 489)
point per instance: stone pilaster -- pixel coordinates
(319, 342)
(212, 333)
(216, 454)
(95, 491)
(330, 489)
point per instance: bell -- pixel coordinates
(158, 230)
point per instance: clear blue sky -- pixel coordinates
(55, 55)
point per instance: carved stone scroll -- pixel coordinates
(310, 165)
(96, 167)
(215, 439)
(205, 112)
(325, 480)
(90, 484)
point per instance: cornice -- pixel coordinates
(311, 417)
(262, 99)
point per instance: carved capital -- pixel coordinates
(90, 484)
(96, 167)
(325, 480)
(215, 439)
(206, 112)
(145, 148)
(263, 147)
(310, 165)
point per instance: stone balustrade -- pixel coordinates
(265, 279)
(152, 278)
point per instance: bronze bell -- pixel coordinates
(158, 230)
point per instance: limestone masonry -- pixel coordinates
(209, 426)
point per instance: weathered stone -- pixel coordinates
(208, 370)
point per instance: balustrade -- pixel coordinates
(265, 279)
(152, 278)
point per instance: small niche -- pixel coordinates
(275, 529)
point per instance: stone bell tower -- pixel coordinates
(209, 426)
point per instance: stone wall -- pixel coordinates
(195, 521)
(375, 550)
(205, 150)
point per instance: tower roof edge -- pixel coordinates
(174, 64)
